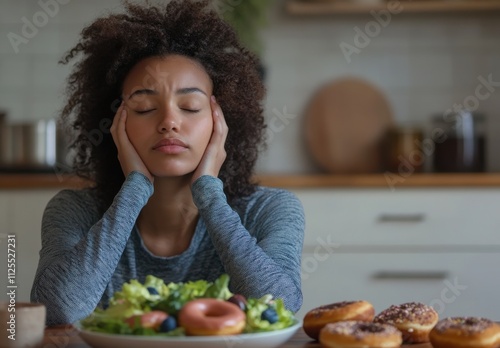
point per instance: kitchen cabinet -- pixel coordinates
(378, 180)
(301, 7)
(455, 284)
(4, 215)
(22, 212)
(437, 246)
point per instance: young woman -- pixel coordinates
(167, 109)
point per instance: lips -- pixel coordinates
(169, 142)
(170, 146)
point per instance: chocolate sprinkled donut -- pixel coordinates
(413, 311)
(317, 318)
(472, 332)
(359, 334)
(333, 305)
(319, 311)
(415, 320)
(469, 325)
(361, 329)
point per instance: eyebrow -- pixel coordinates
(190, 90)
(144, 91)
(182, 91)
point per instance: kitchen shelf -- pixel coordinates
(40, 181)
(52, 181)
(325, 7)
(381, 180)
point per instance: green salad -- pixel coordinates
(152, 308)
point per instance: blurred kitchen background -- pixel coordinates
(421, 64)
(354, 87)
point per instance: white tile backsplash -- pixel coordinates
(15, 71)
(43, 109)
(13, 10)
(15, 101)
(467, 66)
(68, 38)
(47, 73)
(492, 66)
(429, 34)
(431, 69)
(82, 13)
(422, 63)
(399, 100)
(429, 104)
(9, 39)
(45, 42)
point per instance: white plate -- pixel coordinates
(256, 340)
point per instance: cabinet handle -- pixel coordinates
(398, 218)
(410, 275)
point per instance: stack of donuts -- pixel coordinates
(354, 324)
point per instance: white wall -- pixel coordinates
(424, 64)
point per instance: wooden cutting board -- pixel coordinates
(345, 124)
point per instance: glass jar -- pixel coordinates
(402, 151)
(460, 142)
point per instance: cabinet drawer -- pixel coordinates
(24, 211)
(403, 217)
(4, 215)
(454, 284)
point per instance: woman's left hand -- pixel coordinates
(215, 154)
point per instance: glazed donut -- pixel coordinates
(414, 320)
(317, 318)
(210, 317)
(465, 332)
(359, 334)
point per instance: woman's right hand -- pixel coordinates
(127, 155)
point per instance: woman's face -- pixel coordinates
(169, 117)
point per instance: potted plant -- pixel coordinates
(247, 17)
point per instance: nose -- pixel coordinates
(169, 121)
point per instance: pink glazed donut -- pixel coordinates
(211, 317)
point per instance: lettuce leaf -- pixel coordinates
(99, 321)
(219, 288)
(255, 307)
(180, 294)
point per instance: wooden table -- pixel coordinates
(67, 336)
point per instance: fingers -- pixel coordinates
(116, 120)
(118, 130)
(220, 126)
(127, 154)
(215, 154)
(122, 121)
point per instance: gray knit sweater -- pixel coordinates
(86, 257)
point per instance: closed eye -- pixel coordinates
(142, 112)
(193, 111)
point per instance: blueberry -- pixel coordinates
(168, 324)
(239, 300)
(153, 291)
(270, 315)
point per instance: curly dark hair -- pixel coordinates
(112, 45)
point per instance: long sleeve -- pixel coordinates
(268, 264)
(78, 255)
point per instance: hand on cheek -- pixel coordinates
(127, 155)
(215, 154)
